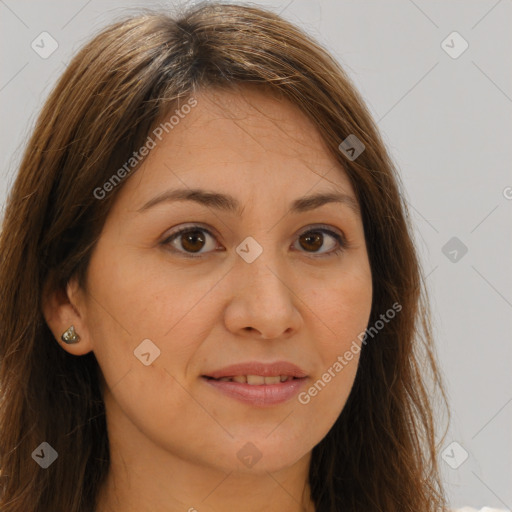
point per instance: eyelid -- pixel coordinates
(325, 228)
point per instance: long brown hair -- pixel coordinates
(380, 455)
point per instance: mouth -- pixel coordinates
(255, 380)
(259, 391)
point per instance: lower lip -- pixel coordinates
(258, 395)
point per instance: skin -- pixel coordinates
(173, 439)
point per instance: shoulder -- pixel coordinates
(485, 509)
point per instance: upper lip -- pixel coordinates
(259, 368)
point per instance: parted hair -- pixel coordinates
(381, 453)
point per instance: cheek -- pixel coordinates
(144, 341)
(323, 401)
(340, 309)
(144, 299)
(142, 314)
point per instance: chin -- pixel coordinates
(261, 456)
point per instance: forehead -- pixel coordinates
(248, 141)
(254, 117)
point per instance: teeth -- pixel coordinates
(257, 380)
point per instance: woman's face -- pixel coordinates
(257, 280)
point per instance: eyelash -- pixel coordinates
(342, 242)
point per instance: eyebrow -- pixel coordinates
(230, 204)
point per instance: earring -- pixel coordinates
(70, 336)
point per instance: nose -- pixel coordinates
(263, 301)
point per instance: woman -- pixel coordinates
(210, 296)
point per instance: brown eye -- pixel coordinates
(313, 240)
(191, 240)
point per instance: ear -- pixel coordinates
(63, 308)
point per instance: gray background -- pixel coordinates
(447, 123)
